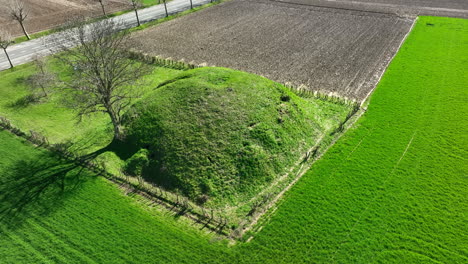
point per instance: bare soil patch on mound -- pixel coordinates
(46, 14)
(327, 50)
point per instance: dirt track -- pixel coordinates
(328, 50)
(46, 14)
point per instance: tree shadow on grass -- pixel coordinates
(122, 149)
(38, 187)
(24, 101)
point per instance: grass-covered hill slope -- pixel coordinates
(223, 133)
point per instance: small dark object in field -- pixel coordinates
(202, 199)
(429, 24)
(285, 98)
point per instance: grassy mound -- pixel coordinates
(220, 133)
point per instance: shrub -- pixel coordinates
(135, 164)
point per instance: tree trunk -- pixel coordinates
(116, 125)
(102, 7)
(191, 4)
(24, 31)
(8, 57)
(44, 91)
(118, 132)
(138, 19)
(165, 7)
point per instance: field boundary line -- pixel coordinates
(272, 206)
(294, 166)
(389, 62)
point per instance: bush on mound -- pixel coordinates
(219, 133)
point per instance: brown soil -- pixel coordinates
(47, 14)
(327, 50)
(452, 8)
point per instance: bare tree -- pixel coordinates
(5, 41)
(19, 13)
(43, 80)
(165, 8)
(135, 5)
(103, 77)
(101, 2)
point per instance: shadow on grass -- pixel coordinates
(37, 187)
(24, 101)
(122, 149)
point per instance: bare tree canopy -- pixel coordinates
(5, 41)
(103, 77)
(19, 13)
(42, 81)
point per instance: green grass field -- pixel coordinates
(91, 222)
(392, 190)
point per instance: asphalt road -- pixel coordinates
(26, 51)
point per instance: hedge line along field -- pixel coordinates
(393, 189)
(328, 50)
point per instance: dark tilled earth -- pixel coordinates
(327, 50)
(449, 8)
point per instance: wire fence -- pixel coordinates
(209, 218)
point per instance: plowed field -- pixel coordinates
(452, 8)
(328, 50)
(46, 14)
